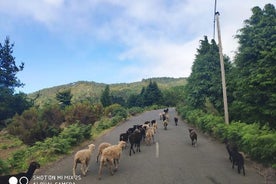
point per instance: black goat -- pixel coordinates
(235, 157)
(22, 177)
(124, 137)
(152, 122)
(238, 160)
(175, 120)
(193, 136)
(135, 140)
(230, 147)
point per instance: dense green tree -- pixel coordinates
(174, 95)
(131, 101)
(8, 67)
(152, 95)
(64, 97)
(204, 83)
(118, 100)
(105, 97)
(255, 68)
(10, 103)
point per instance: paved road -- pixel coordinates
(171, 160)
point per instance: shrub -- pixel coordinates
(256, 141)
(29, 127)
(111, 109)
(135, 110)
(47, 150)
(83, 113)
(76, 133)
(4, 167)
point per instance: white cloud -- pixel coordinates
(158, 37)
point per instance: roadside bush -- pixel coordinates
(76, 133)
(111, 109)
(53, 115)
(50, 148)
(115, 120)
(83, 113)
(120, 112)
(4, 167)
(103, 124)
(135, 110)
(29, 127)
(256, 141)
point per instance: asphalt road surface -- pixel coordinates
(170, 160)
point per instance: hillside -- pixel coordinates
(84, 90)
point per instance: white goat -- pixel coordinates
(83, 157)
(111, 155)
(150, 135)
(101, 147)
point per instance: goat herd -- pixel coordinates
(110, 154)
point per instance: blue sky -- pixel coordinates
(113, 41)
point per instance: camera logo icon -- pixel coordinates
(22, 180)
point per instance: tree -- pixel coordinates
(174, 96)
(105, 97)
(204, 83)
(255, 68)
(64, 97)
(152, 95)
(10, 103)
(8, 67)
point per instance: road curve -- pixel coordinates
(171, 160)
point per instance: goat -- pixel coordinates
(150, 135)
(135, 139)
(101, 147)
(21, 176)
(238, 160)
(230, 147)
(165, 124)
(193, 136)
(111, 155)
(175, 120)
(83, 157)
(124, 137)
(153, 122)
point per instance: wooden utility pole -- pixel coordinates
(226, 115)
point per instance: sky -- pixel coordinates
(114, 41)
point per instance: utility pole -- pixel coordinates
(225, 104)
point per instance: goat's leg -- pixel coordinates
(116, 163)
(86, 166)
(100, 169)
(243, 170)
(82, 168)
(98, 157)
(74, 169)
(111, 166)
(139, 148)
(131, 148)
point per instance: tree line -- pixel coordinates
(250, 78)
